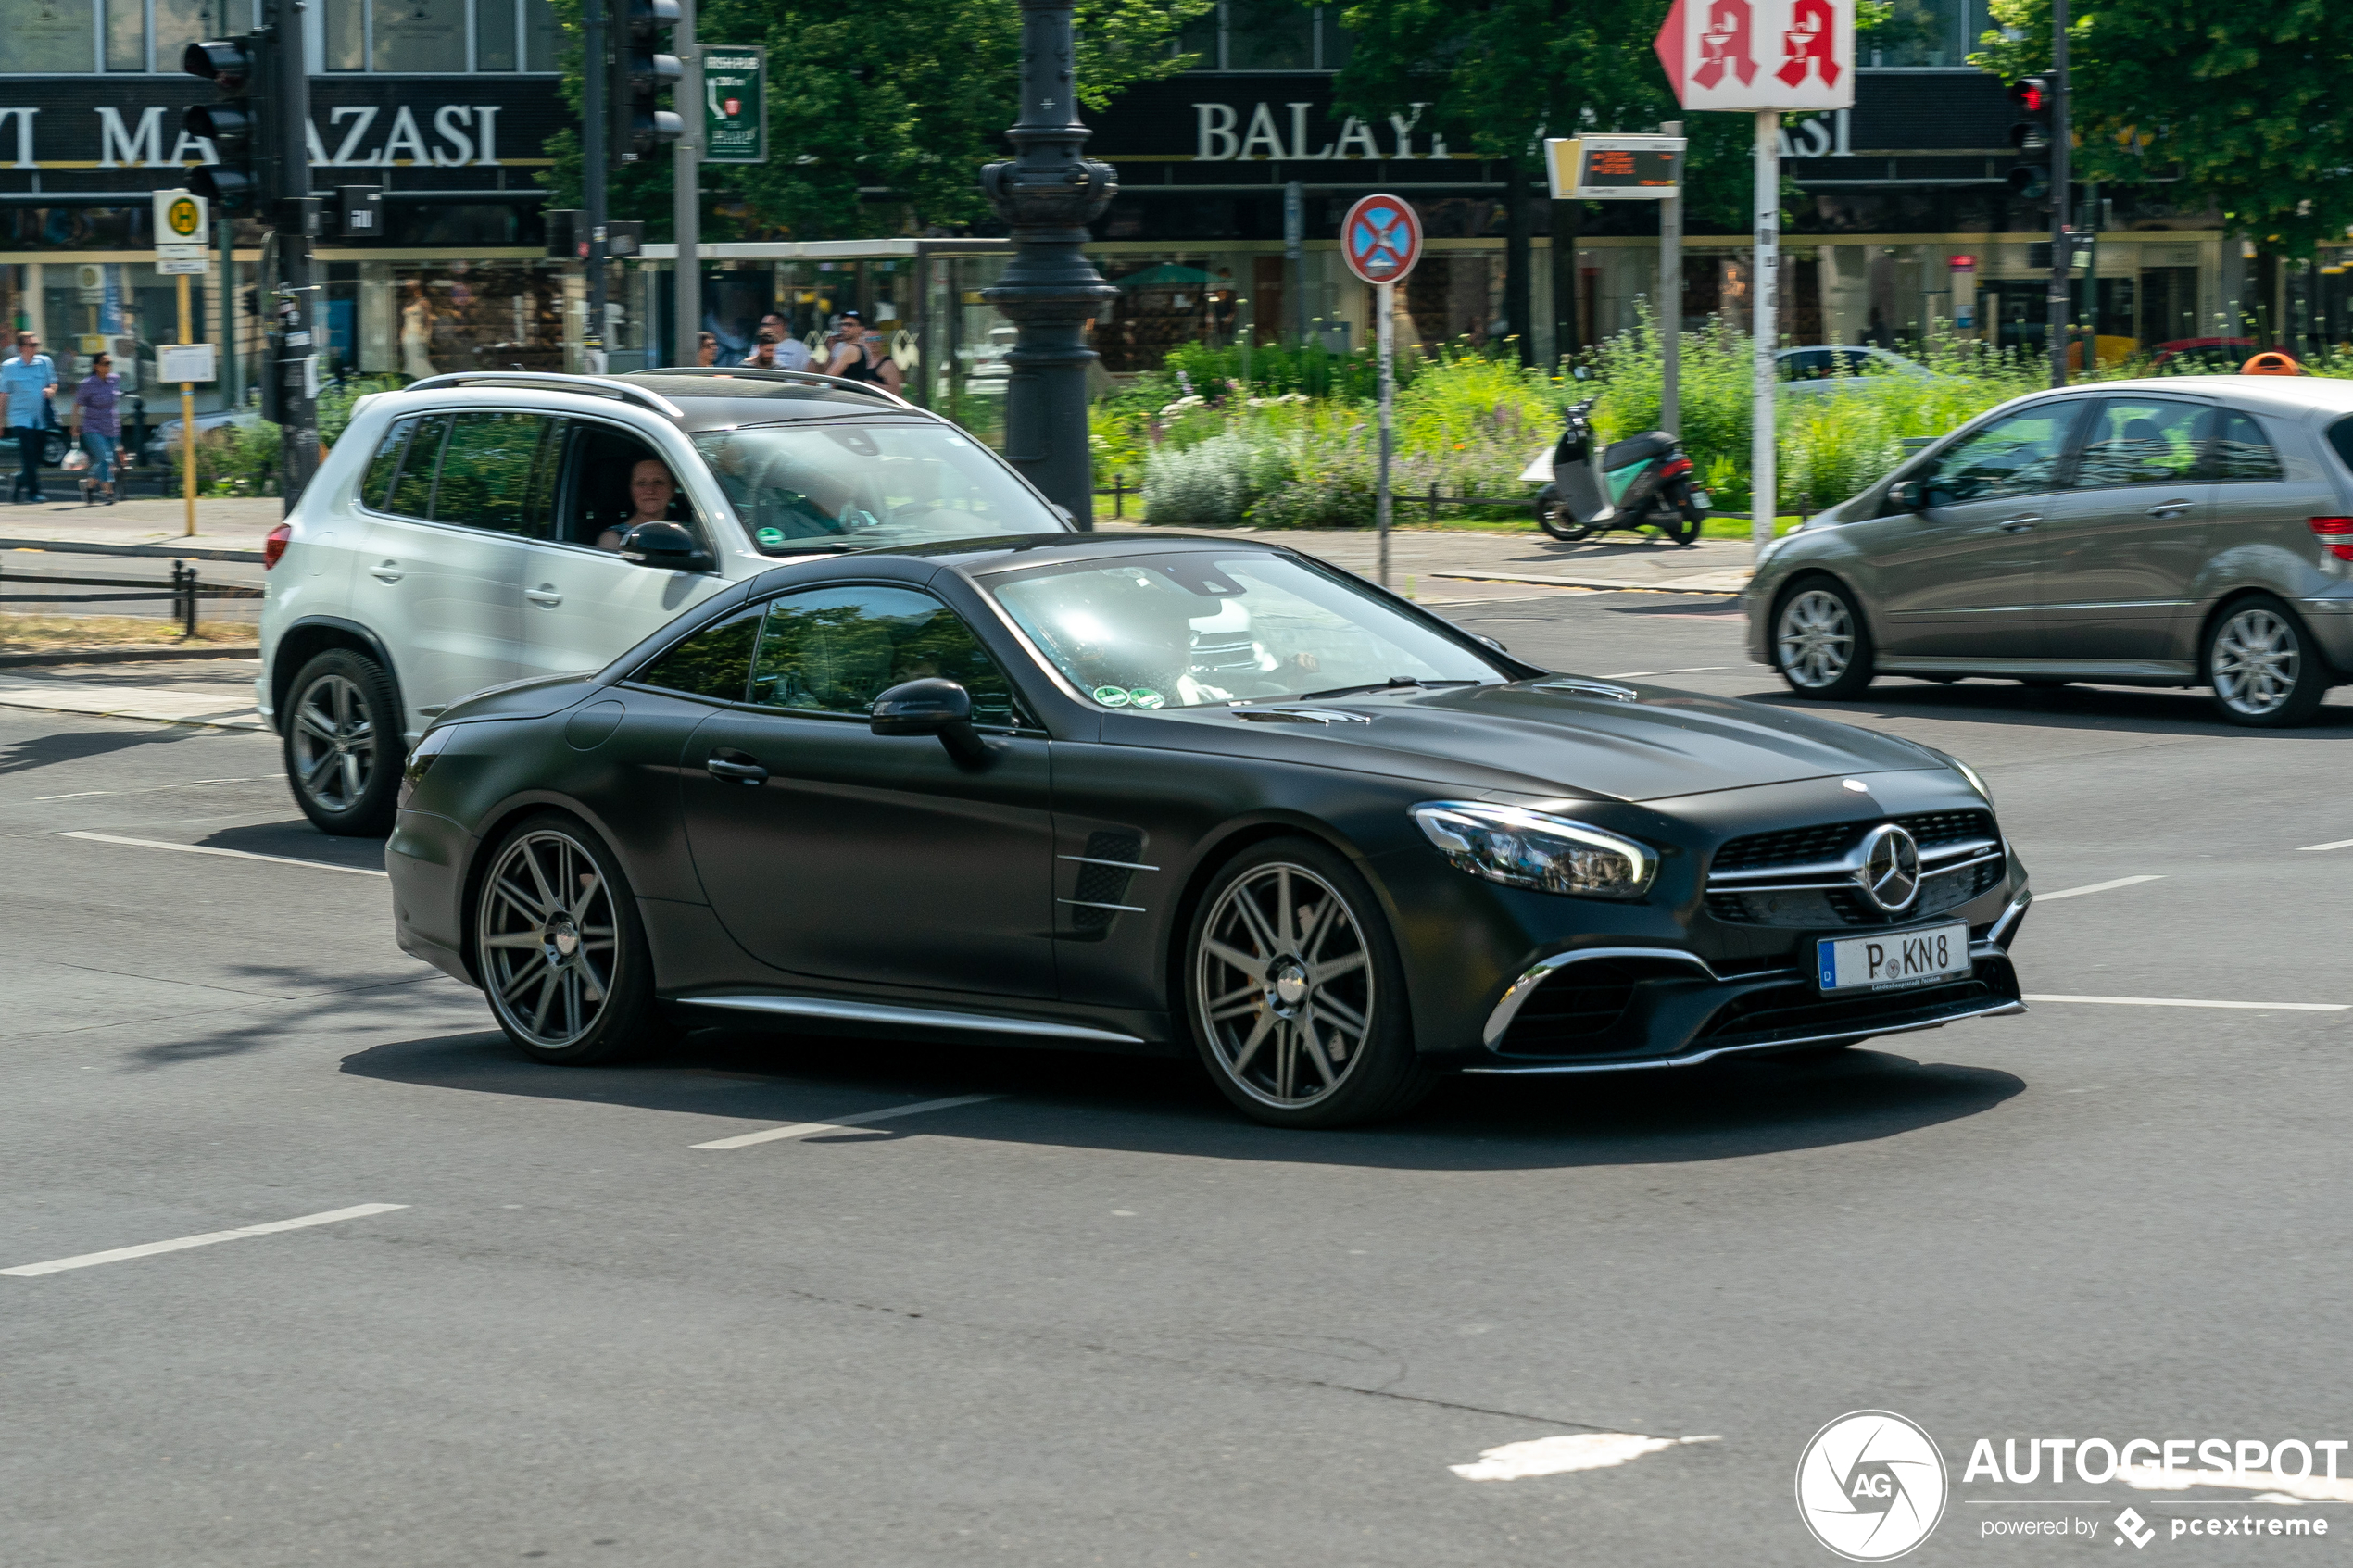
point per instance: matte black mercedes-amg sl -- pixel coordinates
(1175, 793)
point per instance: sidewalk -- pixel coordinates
(216, 692)
(226, 530)
(1457, 566)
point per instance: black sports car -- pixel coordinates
(1185, 793)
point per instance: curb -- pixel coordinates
(177, 552)
(128, 656)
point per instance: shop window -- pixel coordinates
(420, 35)
(467, 316)
(48, 36)
(127, 35)
(493, 34)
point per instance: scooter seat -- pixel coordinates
(1637, 448)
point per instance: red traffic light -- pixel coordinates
(2032, 94)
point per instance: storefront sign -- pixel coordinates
(734, 89)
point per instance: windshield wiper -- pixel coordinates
(1395, 682)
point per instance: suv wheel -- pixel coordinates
(1820, 642)
(342, 747)
(2264, 671)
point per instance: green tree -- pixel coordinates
(2246, 109)
(880, 116)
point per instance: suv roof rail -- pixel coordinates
(553, 381)
(760, 372)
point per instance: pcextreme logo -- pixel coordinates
(1871, 1486)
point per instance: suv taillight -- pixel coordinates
(273, 548)
(2335, 534)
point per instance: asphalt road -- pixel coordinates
(1097, 1318)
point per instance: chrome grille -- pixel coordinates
(1818, 891)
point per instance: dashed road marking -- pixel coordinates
(148, 1249)
(804, 1129)
(2333, 844)
(2094, 887)
(1557, 1456)
(211, 849)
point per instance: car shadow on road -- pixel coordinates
(2122, 710)
(296, 840)
(81, 746)
(1160, 1106)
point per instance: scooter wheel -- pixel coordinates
(1554, 519)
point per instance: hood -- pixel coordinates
(1665, 743)
(533, 699)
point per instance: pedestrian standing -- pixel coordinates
(859, 358)
(706, 349)
(98, 424)
(26, 377)
(764, 350)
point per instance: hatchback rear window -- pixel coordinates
(2341, 437)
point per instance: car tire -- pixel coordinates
(1295, 992)
(342, 744)
(2262, 666)
(559, 950)
(1821, 644)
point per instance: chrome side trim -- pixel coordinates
(1996, 937)
(1693, 1059)
(1123, 865)
(1091, 904)
(1588, 688)
(2079, 670)
(928, 1017)
(1516, 995)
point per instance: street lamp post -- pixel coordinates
(1047, 193)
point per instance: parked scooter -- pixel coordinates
(1642, 482)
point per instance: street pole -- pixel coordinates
(1295, 260)
(187, 417)
(596, 133)
(2062, 258)
(686, 179)
(1047, 194)
(1764, 334)
(297, 218)
(1670, 295)
(1385, 297)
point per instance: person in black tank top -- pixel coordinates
(858, 357)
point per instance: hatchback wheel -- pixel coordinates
(2263, 669)
(342, 747)
(558, 948)
(1820, 642)
(1297, 998)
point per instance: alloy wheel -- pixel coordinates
(1815, 638)
(547, 939)
(334, 743)
(1285, 986)
(2256, 662)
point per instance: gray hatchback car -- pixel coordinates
(2182, 532)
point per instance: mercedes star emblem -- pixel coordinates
(1891, 874)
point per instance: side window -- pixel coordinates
(386, 464)
(715, 662)
(833, 650)
(486, 469)
(2243, 452)
(2140, 441)
(615, 481)
(2020, 453)
(412, 491)
(2341, 437)
(1806, 364)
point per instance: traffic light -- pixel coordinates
(640, 72)
(245, 182)
(2030, 179)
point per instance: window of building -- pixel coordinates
(418, 35)
(179, 23)
(1268, 36)
(1923, 35)
(47, 36)
(126, 34)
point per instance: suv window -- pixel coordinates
(715, 662)
(833, 650)
(486, 471)
(412, 491)
(2018, 454)
(2140, 441)
(2341, 437)
(386, 464)
(2243, 452)
(597, 497)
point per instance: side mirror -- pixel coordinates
(1908, 495)
(665, 545)
(929, 707)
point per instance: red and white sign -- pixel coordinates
(1760, 54)
(1381, 238)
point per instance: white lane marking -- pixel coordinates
(2177, 1002)
(803, 1129)
(1629, 674)
(2094, 887)
(2333, 844)
(1696, 669)
(209, 849)
(1556, 1456)
(154, 789)
(90, 1259)
(2296, 1489)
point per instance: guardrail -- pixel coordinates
(184, 589)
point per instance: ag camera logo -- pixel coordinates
(1871, 1486)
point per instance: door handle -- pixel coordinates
(544, 596)
(2021, 524)
(2170, 509)
(739, 766)
(386, 571)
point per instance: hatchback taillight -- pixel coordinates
(273, 548)
(2335, 534)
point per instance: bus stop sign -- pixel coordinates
(1382, 239)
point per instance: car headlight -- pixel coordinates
(1974, 781)
(1522, 849)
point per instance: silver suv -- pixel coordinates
(471, 530)
(2182, 532)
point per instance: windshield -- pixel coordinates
(868, 485)
(1188, 631)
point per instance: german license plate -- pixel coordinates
(1893, 960)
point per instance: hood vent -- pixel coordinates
(1583, 688)
(1300, 716)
